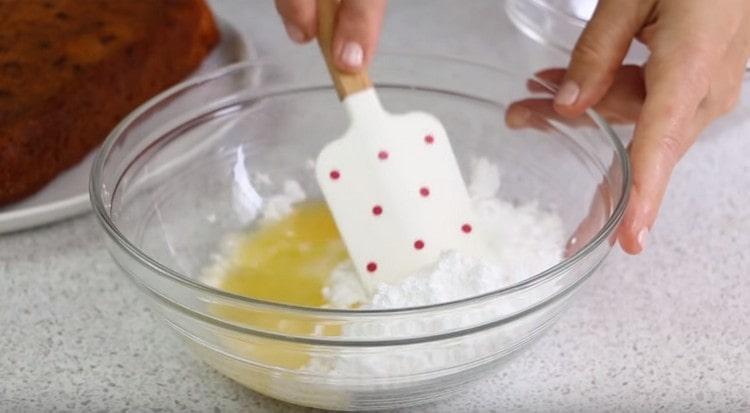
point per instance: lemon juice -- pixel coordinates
(285, 261)
(289, 260)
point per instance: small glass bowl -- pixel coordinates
(559, 23)
(172, 180)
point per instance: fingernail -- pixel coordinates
(295, 33)
(568, 93)
(642, 234)
(352, 54)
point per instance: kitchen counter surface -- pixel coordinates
(668, 330)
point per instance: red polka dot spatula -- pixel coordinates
(391, 181)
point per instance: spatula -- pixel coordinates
(391, 181)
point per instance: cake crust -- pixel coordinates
(70, 70)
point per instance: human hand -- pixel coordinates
(621, 105)
(355, 36)
(699, 50)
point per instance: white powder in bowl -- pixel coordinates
(278, 206)
(523, 241)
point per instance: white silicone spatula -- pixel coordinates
(391, 181)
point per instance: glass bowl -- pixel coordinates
(172, 180)
(559, 23)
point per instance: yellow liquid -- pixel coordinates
(286, 261)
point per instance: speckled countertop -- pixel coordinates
(668, 330)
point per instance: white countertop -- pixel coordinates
(668, 330)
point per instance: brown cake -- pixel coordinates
(71, 69)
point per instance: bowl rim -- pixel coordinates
(571, 18)
(534, 32)
(144, 259)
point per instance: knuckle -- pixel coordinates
(688, 62)
(673, 110)
(590, 52)
(697, 67)
(698, 78)
(671, 147)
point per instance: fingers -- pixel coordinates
(599, 211)
(299, 19)
(624, 99)
(356, 35)
(621, 105)
(665, 129)
(690, 80)
(550, 76)
(530, 113)
(598, 55)
(681, 79)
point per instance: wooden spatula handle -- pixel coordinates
(346, 83)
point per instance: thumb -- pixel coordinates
(598, 55)
(356, 35)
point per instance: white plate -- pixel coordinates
(67, 195)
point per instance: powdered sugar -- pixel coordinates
(522, 240)
(277, 206)
(453, 277)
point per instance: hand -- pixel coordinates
(699, 50)
(621, 105)
(355, 36)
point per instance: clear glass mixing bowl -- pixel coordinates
(559, 23)
(172, 180)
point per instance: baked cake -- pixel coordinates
(71, 69)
